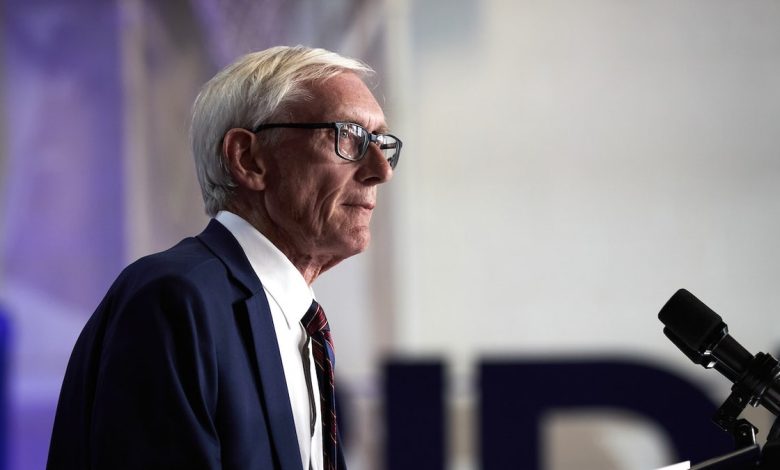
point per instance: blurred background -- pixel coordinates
(567, 166)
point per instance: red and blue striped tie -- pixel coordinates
(316, 325)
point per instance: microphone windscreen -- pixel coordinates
(691, 321)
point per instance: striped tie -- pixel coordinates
(316, 325)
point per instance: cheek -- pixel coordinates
(327, 196)
(311, 204)
(313, 194)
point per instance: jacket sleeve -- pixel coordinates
(156, 387)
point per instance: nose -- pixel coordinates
(374, 167)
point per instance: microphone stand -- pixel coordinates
(771, 453)
(749, 389)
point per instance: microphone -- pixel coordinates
(703, 336)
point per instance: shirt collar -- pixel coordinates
(280, 279)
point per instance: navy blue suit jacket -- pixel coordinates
(178, 367)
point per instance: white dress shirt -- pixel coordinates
(289, 297)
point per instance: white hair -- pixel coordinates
(248, 93)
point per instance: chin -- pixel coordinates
(358, 242)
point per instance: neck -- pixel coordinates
(301, 253)
(309, 267)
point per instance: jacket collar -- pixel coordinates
(225, 247)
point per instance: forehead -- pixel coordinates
(343, 97)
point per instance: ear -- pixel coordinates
(240, 151)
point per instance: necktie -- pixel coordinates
(316, 325)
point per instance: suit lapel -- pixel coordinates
(273, 385)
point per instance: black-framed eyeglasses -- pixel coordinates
(352, 140)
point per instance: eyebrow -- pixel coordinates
(381, 129)
(362, 121)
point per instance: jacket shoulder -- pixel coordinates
(189, 261)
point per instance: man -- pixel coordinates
(212, 354)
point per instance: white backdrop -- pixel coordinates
(570, 164)
(577, 162)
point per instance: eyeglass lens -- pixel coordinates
(353, 142)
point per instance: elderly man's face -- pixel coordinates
(320, 203)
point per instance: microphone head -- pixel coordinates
(692, 322)
(690, 353)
